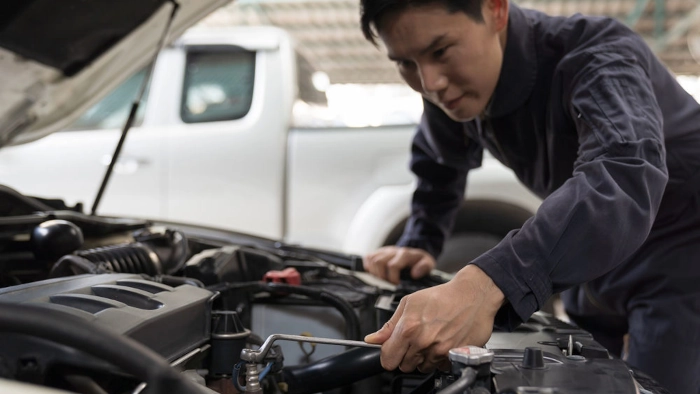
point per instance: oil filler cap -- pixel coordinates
(471, 356)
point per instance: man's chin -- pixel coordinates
(460, 116)
(464, 113)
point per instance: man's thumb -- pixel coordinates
(388, 328)
(382, 335)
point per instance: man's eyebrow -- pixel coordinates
(433, 44)
(436, 42)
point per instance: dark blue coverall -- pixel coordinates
(591, 121)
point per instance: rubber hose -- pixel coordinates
(70, 265)
(333, 372)
(352, 322)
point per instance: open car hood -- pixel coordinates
(57, 58)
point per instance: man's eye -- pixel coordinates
(439, 53)
(404, 64)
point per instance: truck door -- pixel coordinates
(70, 164)
(226, 156)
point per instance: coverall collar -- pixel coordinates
(519, 69)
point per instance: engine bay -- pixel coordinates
(93, 304)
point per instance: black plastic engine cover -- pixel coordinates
(170, 321)
(588, 369)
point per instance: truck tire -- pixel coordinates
(479, 226)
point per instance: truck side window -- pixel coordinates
(111, 112)
(219, 83)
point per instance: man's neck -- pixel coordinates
(502, 38)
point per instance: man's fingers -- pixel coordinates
(370, 265)
(393, 348)
(422, 267)
(431, 321)
(388, 262)
(426, 367)
(382, 335)
(431, 364)
(387, 329)
(393, 268)
(375, 263)
(403, 259)
(411, 360)
(393, 351)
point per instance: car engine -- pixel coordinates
(92, 304)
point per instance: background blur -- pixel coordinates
(359, 80)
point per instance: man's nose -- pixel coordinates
(432, 79)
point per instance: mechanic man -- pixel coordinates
(590, 120)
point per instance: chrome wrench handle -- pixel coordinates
(257, 356)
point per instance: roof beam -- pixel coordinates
(659, 18)
(678, 30)
(636, 14)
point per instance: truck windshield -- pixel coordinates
(111, 112)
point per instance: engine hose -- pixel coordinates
(352, 322)
(230, 287)
(333, 372)
(86, 336)
(70, 265)
(133, 258)
(460, 385)
(237, 373)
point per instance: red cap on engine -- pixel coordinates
(289, 276)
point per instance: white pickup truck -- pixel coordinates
(217, 144)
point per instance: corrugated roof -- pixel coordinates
(329, 36)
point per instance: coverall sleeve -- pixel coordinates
(602, 214)
(441, 157)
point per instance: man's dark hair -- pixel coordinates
(371, 11)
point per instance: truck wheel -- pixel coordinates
(479, 226)
(462, 248)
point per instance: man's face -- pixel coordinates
(449, 58)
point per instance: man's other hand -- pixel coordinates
(388, 261)
(430, 322)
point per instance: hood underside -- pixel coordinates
(38, 30)
(59, 57)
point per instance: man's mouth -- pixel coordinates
(452, 104)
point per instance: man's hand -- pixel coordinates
(428, 323)
(387, 262)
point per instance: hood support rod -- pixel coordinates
(134, 108)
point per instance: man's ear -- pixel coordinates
(497, 12)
